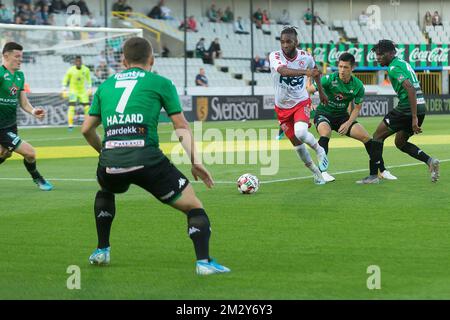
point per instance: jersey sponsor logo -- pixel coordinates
(293, 81)
(120, 131)
(124, 119)
(113, 144)
(302, 64)
(129, 75)
(8, 101)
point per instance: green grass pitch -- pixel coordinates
(290, 240)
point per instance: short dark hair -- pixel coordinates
(289, 30)
(77, 57)
(347, 57)
(137, 50)
(10, 46)
(384, 46)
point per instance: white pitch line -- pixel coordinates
(234, 182)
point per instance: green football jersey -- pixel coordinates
(399, 70)
(129, 105)
(10, 87)
(340, 94)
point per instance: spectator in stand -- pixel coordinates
(165, 53)
(156, 12)
(317, 19)
(257, 64)
(363, 18)
(39, 5)
(214, 49)
(200, 48)
(238, 27)
(52, 22)
(121, 6)
(427, 20)
(265, 17)
(437, 21)
(43, 15)
(91, 22)
(201, 79)
(258, 18)
(219, 15)
(58, 6)
(228, 15)
(190, 23)
(84, 10)
(284, 18)
(308, 16)
(6, 15)
(33, 20)
(200, 51)
(212, 14)
(165, 11)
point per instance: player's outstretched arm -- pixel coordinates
(25, 104)
(90, 134)
(184, 134)
(413, 103)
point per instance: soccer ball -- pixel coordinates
(247, 183)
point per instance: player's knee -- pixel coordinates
(104, 199)
(30, 155)
(301, 130)
(400, 145)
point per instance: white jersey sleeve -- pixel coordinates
(275, 61)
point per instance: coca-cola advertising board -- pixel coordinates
(419, 56)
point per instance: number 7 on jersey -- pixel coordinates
(129, 86)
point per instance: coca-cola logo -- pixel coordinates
(435, 55)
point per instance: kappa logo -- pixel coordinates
(181, 182)
(6, 76)
(104, 214)
(193, 230)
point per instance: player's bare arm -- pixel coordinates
(89, 132)
(316, 74)
(284, 71)
(413, 103)
(184, 134)
(27, 107)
